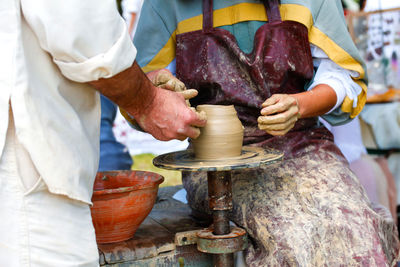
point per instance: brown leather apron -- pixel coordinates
(211, 61)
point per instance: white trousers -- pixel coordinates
(37, 228)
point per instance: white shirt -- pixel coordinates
(49, 48)
(348, 138)
(338, 78)
(129, 7)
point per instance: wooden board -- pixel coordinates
(154, 241)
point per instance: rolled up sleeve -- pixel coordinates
(87, 39)
(340, 80)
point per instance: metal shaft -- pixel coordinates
(220, 202)
(224, 260)
(221, 222)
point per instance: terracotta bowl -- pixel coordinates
(121, 201)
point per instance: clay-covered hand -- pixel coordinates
(279, 114)
(168, 117)
(163, 78)
(162, 113)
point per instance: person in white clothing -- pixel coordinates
(54, 55)
(131, 13)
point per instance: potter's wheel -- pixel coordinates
(251, 157)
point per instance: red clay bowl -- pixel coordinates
(121, 202)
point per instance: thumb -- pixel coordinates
(200, 118)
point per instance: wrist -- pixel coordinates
(142, 94)
(316, 102)
(130, 89)
(300, 99)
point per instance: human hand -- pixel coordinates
(279, 114)
(163, 78)
(168, 117)
(160, 112)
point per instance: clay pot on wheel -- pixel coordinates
(222, 137)
(121, 201)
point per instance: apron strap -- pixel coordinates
(273, 13)
(208, 23)
(272, 8)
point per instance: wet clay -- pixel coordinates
(222, 137)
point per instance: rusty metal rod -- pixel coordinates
(220, 190)
(220, 201)
(221, 222)
(224, 260)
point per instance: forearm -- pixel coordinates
(130, 89)
(339, 79)
(162, 113)
(316, 102)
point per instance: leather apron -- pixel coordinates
(211, 61)
(295, 211)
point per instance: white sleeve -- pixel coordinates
(132, 6)
(329, 73)
(88, 40)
